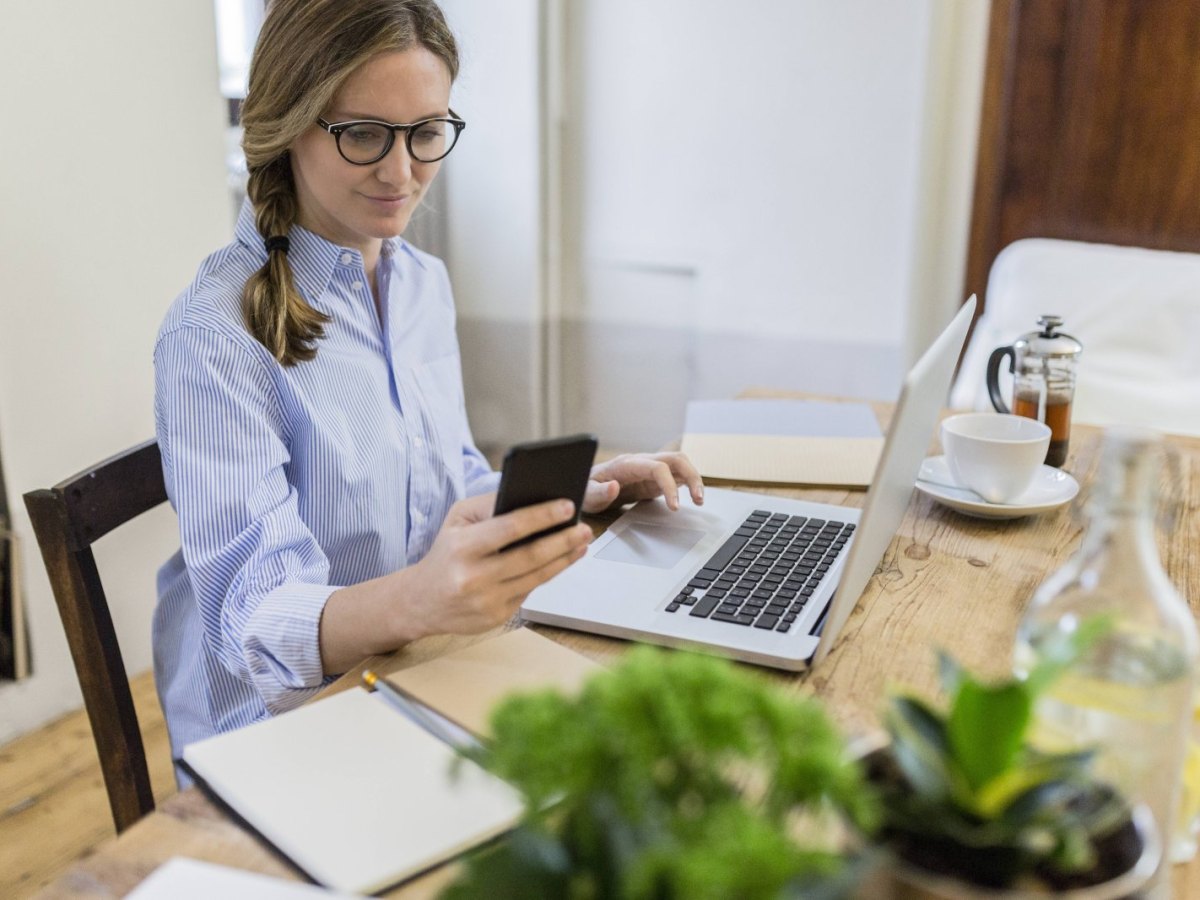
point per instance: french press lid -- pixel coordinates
(1049, 342)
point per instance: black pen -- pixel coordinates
(420, 714)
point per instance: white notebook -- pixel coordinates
(352, 792)
(180, 878)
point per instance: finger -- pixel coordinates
(600, 469)
(473, 509)
(500, 531)
(640, 479)
(518, 588)
(624, 469)
(600, 495)
(520, 561)
(665, 479)
(688, 474)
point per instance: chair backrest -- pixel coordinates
(1136, 312)
(67, 519)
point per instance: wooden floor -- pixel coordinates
(53, 807)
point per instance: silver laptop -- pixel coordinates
(763, 579)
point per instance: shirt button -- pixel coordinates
(418, 443)
(418, 516)
(357, 285)
(346, 259)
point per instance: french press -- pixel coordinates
(1043, 367)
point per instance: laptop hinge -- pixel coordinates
(819, 625)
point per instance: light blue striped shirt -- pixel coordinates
(292, 482)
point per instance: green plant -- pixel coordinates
(671, 775)
(964, 793)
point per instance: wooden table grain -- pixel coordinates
(946, 580)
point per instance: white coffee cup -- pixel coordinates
(995, 455)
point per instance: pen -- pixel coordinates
(432, 722)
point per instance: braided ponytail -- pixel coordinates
(277, 315)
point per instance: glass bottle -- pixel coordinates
(1131, 693)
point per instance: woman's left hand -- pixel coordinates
(642, 476)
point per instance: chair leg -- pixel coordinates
(83, 609)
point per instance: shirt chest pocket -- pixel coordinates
(439, 383)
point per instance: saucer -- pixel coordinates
(1051, 488)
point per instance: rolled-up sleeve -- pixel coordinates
(259, 577)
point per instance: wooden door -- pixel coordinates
(1090, 127)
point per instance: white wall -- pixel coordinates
(755, 201)
(492, 176)
(769, 148)
(112, 189)
(823, 256)
(953, 84)
(493, 208)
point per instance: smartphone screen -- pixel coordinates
(546, 470)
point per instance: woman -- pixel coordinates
(309, 402)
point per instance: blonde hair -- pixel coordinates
(305, 52)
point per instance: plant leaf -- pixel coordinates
(1020, 793)
(950, 673)
(986, 727)
(919, 744)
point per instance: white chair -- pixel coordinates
(1136, 312)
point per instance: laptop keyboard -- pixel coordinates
(765, 573)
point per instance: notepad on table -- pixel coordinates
(466, 684)
(783, 441)
(180, 878)
(357, 795)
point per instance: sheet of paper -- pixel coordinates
(794, 418)
(191, 879)
(353, 792)
(783, 441)
(465, 685)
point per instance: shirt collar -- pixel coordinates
(313, 259)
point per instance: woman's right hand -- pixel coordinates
(467, 583)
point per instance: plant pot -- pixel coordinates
(908, 882)
(902, 879)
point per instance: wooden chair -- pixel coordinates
(67, 519)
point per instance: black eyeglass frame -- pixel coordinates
(338, 128)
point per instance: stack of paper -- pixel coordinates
(783, 441)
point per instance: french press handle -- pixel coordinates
(993, 376)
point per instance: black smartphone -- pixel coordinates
(546, 470)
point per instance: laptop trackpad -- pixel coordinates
(660, 546)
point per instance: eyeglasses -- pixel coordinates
(366, 141)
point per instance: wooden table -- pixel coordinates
(946, 580)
